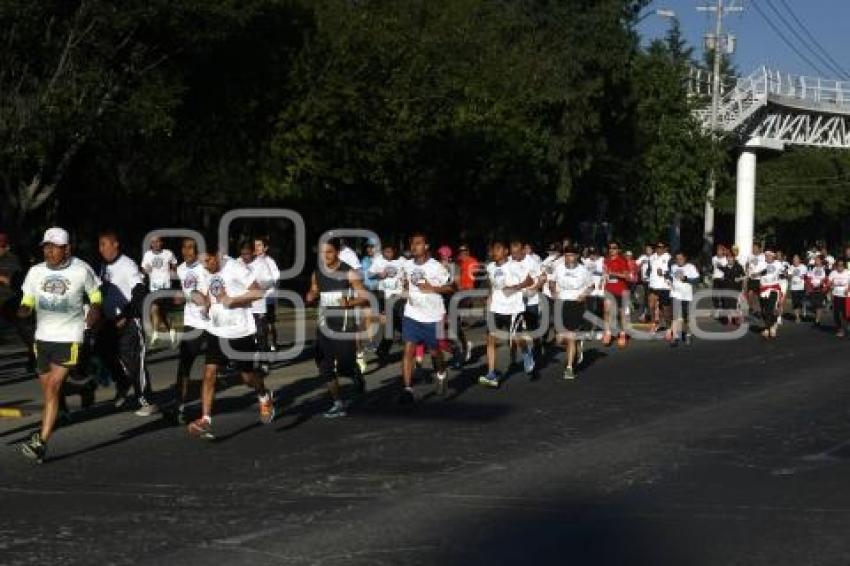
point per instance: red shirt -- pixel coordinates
(468, 268)
(616, 284)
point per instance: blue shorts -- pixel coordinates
(419, 332)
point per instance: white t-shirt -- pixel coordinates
(681, 288)
(391, 285)
(798, 276)
(547, 267)
(508, 273)
(119, 278)
(643, 267)
(265, 278)
(347, 255)
(772, 272)
(659, 263)
(275, 273)
(829, 260)
(58, 295)
(596, 268)
(533, 265)
(193, 278)
(422, 306)
(718, 262)
(158, 266)
(817, 275)
(571, 282)
(838, 282)
(234, 280)
(754, 265)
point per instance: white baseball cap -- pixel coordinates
(56, 236)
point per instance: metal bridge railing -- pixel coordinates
(811, 89)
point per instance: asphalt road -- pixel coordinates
(719, 453)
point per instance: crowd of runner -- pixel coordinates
(534, 305)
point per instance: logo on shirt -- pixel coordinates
(156, 263)
(216, 286)
(391, 271)
(55, 285)
(107, 275)
(417, 276)
(190, 282)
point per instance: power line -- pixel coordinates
(802, 40)
(814, 40)
(785, 40)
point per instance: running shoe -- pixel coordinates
(490, 380)
(201, 428)
(579, 352)
(441, 383)
(120, 400)
(468, 351)
(146, 409)
(266, 406)
(34, 448)
(569, 374)
(361, 362)
(528, 362)
(337, 410)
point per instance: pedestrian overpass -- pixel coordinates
(767, 111)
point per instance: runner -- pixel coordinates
(683, 277)
(839, 281)
(659, 287)
(524, 254)
(768, 271)
(261, 269)
(261, 253)
(784, 268)
(571, 283)
(468, 273)
(226, 297)
(349, 257)
(120, 339)
(753, 266)
(617, 277)
(816, 287)
(797, 283)
(388, 269)
(508, 278)
(644, 268)
(158, 264)
(55, 289)
(193, 276)
(719, 263)
(596, 300)
(425, 281)
(547, 268)
(339, 289)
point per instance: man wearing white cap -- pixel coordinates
(55, 289)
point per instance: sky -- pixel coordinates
(828, 21)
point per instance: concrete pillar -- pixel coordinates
(745, 204)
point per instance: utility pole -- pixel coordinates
(717, 42)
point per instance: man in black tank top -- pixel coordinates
(339, 290)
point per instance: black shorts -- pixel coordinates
(271, 311)
(246, 346)
(663, 296)
(65, 354)
(531, 318)
(505, 322)
(754, 285)
(572, 315)
(817, 299)
(797, 299)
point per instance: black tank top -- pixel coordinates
(331, 290)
